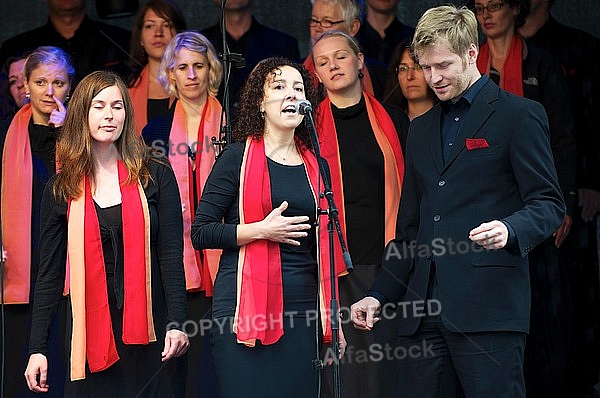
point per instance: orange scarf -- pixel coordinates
(17, 184)
(365, 82)
(199, 274)
(511, 78)
(139, 99)
(259, 280)
(92, 335)
(387, 138)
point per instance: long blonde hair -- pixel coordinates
(74, 145)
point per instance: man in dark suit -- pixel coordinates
(480, 191)
(252, 40)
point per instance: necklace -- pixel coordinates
(287, 154)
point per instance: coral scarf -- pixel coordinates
(259, 280)
(387, 138)
(139, 99)
(92, 327)
(17, 185)
(366, 82)
(511, 78)
(199, 272)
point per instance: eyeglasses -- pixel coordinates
(492, 7)
(403, 69)
(325, 23)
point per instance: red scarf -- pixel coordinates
(199, 272)
(365, 82)
(92, 327)
(17, 185)
(259, 280)
(387, 138)
(139, 99)
(511, 78)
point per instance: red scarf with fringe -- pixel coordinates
(387, 139)
(511, 78)
(259, 280)
(17, 185)
(200, 271)
(92, 335)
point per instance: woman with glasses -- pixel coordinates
(406, 86)
(534, 73)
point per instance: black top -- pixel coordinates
(168, 284)
(220, 202)
(381, 49)
(94, 46)
(364, 183)
(574, 48)
(157, 107)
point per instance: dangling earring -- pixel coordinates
(262, 115)
(27, 95)
(67, 98)
(360, 74)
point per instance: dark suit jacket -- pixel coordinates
(513, 180)
(95, 46)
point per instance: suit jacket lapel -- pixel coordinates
(480, 112)
(435, 127)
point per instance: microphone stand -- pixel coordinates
(229, 59)
(333, 223)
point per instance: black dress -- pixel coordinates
(139, 372)
(18, 316)
(284, 368)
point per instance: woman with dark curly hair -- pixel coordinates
(259, 205)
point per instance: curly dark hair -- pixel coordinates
(249, 122)
(524, 6)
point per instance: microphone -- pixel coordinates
(303, 107)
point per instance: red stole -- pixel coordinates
(92, 335)
(139, 99)
(17, 184)
(511, 78)
(199, 271)
(259, 306)
(387, 138)
(366, 83)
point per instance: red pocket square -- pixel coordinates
(476, 143)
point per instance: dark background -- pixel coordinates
(289, 16)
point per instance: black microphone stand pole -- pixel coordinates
(229, 59)
(333, 223)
